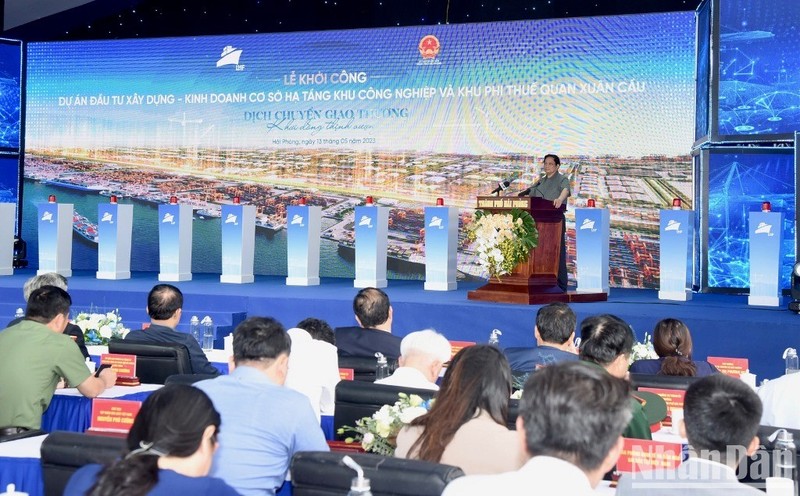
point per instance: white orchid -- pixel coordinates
(98, 328)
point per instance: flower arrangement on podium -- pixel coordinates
(378, 433)
(503, 240)
(99, 327)
(643, 350)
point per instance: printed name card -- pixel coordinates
(456, 346)
(123, 365)
(347, 374)
(730, 366)
(113, 415)
(640, 455)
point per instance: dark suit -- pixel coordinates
(528, 359)
(71, 330)
(163, 334)
(362, 341)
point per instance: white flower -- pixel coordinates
(85, 325)
(105, 331)
(367, 439)
(111, 316)
(411, 413)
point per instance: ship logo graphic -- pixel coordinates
(436, 222)
(673, 225)
(764, 228)
(588, 224)
(366, 220)
(107, 217)
(168, 219)
(229, 56)
(297, 220)
(231, 219)
(47, 217)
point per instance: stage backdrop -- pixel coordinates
(402, 114)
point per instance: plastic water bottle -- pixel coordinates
(19, 313)
(360, 485)
(792, 364)
(208, 333)
(784, 454)
(494, 337)
(194, 329)
(381, 367)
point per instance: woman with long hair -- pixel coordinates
(466, 426)
(171, 445)
(672, 342)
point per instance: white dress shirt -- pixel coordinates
(313, 370)
(408, 377)
(781, 398)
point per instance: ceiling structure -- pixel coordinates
(62, 20)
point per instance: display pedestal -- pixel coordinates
(302, 245)
(441, 243)
(677, 231)
(591, 248)
(55, 238)
(8, 221)
(114, 232)
(238, 243)
(371, 231)
(766, 257)
(175, 243)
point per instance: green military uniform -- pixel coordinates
(32, 360)
(638, 427)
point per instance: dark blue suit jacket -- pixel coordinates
(364, 342)
(163, 334)
(528, 359)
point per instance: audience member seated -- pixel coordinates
(171, 444)
(313, 370)
(673, 344)
(35, 355)
(165, 308)
(571, 417)
(720, 420)
(607, 341)
(265, 423)
(422, 356)
(781, 399)
(554, 332)
(466, 426)
(59, 281)
(318, 329)
(374, 331)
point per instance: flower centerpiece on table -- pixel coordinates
(503, 240)
(378, 433)
(98, 328)
(643, 350)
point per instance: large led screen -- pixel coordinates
(739, 180)
(406, 115)
(10, 74)
(759, 71)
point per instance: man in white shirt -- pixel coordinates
(313, 370)
(781, 398)
(422, 356)
(720, 420)
(570, 422)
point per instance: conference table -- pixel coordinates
(20, 465)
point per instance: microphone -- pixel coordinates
(502, 185)
(525, 192)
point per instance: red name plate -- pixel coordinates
(730, 366)
(642, 455)
(347, 374)
(456, 346)
(113, 415)
(123, 365)
(673, 397)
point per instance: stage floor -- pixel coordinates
(721, 325)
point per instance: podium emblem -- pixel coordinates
(764, 228)
(297, 220)
(231, 219)
(168, 219)
(436, 222)
(107, 217)
(365, 221)
(673, 225)
(47, 217)
(588, 224)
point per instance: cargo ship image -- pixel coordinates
(85, 229)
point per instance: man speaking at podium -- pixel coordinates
(552, 185)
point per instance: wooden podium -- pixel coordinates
(536, 280)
